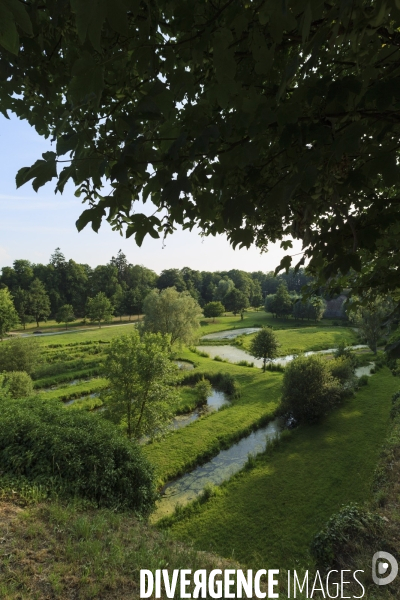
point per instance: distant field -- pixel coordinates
(311, 338)
(268, 515)
(253, 318)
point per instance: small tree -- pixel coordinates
(8, 314)
(39, 303)
(140, 374)
(309, 389)
(19, 384)
(213, 309)
(99, 308)
(65, 314)
(264, 345)
(174, 313)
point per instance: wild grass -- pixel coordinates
(269, 514)
(60, 551)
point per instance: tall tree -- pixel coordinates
(39, 303)
(140, 375)
(172, 313)
(8, 314)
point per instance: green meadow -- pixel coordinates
(268, 515)
(269, 512)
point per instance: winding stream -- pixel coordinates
(216, 471)
(214, 402)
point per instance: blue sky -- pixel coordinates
(33, 224)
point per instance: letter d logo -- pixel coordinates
(379, 568)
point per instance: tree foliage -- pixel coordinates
(140, 374)
(19, 354)
(172, 313)
(8, 314)
(18, 384)
(257, 120)
(372, 319)
(99, 308)
(309, 389)
(264, 345)
(65, 314)
(74, 454)
(213, 309)
(39, 303)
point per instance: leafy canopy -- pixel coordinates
(264, 345)
(257, 120)
(172, 313)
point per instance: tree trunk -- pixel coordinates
(37, 323)
(265, 360)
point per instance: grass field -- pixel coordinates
(269, 514)
(254, 318)
(293, 341)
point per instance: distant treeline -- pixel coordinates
(67, 282)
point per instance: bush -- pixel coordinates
(203, 390)
(245, 363)
(342, 368)
(19, 384)
(351, 525)
(74, 454)
(224, 382)
(19, 354)
(309, 390)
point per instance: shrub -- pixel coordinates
(19, 384)
(352, 525)
(245, 363)
(19, 354)
(309, 390)
(342, 368)
(218, 359)
(203, 390)
(74, 454)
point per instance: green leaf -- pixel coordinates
(284, 264)
(41, 172)
(20, 15)
(307, 19)
(90, 16)
(88, 79)
(9, 37)
(91, 215)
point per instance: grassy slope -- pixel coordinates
(182, 449)
(269, 515)
(59, 553)
(310, 338)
